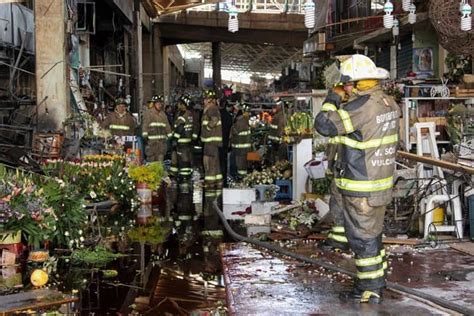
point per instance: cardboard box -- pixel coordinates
(258, 220)
(239, 196)
(263, 207)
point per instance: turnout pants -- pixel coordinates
(337, 236)
(155, 150)
(363, 221)
(241, 162)
(184, 205)
(212, 233)
(184, 160)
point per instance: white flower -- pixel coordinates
(92, 194)
(115, 223)
(80, 231)
(66, 233)
(81, 239)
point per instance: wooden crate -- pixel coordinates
(47, 145)
(253, 156)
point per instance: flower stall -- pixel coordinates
(75, 224)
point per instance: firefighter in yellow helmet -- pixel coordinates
(340, 93)
(120, 122)
(367, 131)
(155, 130)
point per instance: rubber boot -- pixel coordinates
(370, 297)
(332, 245)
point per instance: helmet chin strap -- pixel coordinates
(120, 114)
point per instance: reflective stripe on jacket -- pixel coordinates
(277, 127)
(183, 128)
(367, 129)
(155, 125)
(211, 128)
(240, 136)
(120, 125)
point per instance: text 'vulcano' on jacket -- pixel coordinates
(367, 129)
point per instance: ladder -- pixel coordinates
(426, 146)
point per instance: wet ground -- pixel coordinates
(261, 283)
(188, 285)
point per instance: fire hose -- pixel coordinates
(390, 285)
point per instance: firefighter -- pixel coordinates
(341, 92)
(277, 128)
(155, 130)
(211, 137)
(240, 138)
(182, 142)
(367, 131)
(120, 122)
(182, 137)
(197, 144)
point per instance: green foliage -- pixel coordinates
(152, 174)
(99, 256)
(71, 215)
(153, 233)
(457, 65)
(321, 186)
(98, 177)
(24, 206)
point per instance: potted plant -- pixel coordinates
(24, 209)
(147, 178)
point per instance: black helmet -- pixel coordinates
(209, 94)
(120, 101)
(244, 107)
(157, 98)
(279, 102)
(186, 100)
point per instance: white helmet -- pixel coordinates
(360, 67)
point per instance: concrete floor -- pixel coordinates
(261, 283)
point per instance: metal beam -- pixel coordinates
(193, 33)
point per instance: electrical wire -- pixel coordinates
(391, 285)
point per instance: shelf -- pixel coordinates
(437, 142)
(438, 98)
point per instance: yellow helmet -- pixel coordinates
(360, 67)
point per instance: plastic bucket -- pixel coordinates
(145, 196)
(438, 216)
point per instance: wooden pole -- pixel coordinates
(435, 162)
(216, 64)
(137, 58)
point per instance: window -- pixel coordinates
(86, 17)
